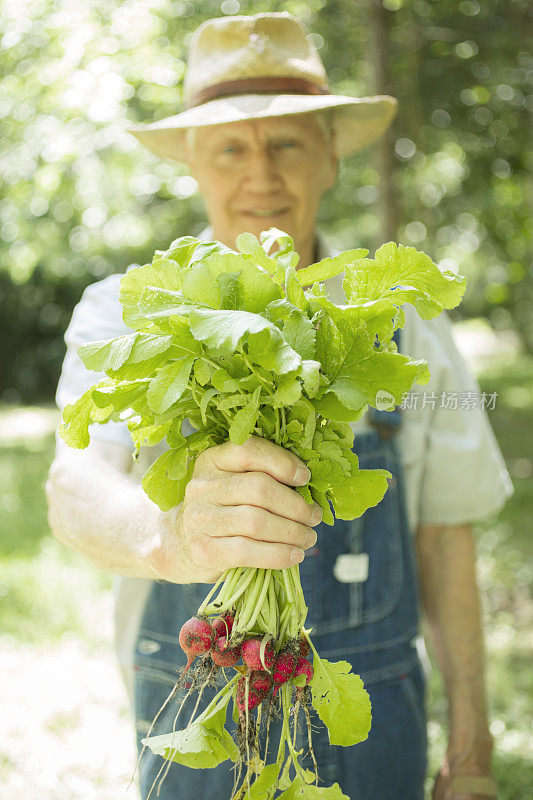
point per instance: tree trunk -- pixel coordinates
(384, 147)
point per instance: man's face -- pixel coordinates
(263, 173)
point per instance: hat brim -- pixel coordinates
(358, 121)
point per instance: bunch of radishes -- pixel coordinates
(264, 670)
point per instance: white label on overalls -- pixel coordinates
(351, 567)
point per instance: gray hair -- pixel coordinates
(323, 117)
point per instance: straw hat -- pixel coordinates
(253, 67)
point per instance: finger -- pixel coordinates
(260, 525)
(264, 491)
(239, 551)
(257, 455)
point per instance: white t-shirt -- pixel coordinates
(454, 470)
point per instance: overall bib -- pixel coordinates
(369, 620)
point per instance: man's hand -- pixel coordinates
(238, 510)
(470, 762)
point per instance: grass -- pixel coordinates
(47, 592)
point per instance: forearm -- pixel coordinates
(450, 598)
(96, 509)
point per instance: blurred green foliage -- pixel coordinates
(80, 198)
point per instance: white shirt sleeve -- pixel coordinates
(97, 316)
(464, 478)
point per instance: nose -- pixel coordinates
(262, 175)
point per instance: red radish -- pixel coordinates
(196, 638)
(304, 667)
(259, 686)
(222, 655)
(223, 626)
(284, 668)
(304, 647)
(251, 653)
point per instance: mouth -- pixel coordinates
(264, 213)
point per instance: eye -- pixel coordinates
(287, 144)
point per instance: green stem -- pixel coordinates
(211, 593)
(247, 577)
(250, 602)
(260, 601)
(287, 583)
(232, 580)
(273, 616)
(267, 384)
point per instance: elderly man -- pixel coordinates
(262, 135)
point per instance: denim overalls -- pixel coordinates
(370, 621)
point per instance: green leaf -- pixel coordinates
(231, 291)
(109, 354)
(274, 236)
(179, 251)
(405, 275)
(160, 487)
(294, 291)
(223, 381)
(289, 390)
(178, 463)
(330, 407)
(164, 275)
(322, 500)
(248, 243)
(329, 267)
(330, 347)
(340, 701)
(148, 435)
(300, 333)
(230, 281)
(203, 744)
(294, 430)
(265, 785)
(148, 345)
(300, 790)
(114, 355)
(169, 384)
(348, 393)
(363, 372)
(156, 303)
(310, 374)
(204, 402)
(269, 350)
(244, 421)
(224, 330)
(117, 394)
(77, 417)
(357, 493)
(203, 371)
(142, 369)
(324, 473)
(200, 287)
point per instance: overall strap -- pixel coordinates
(387, 423)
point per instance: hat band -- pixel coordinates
(268, 85)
